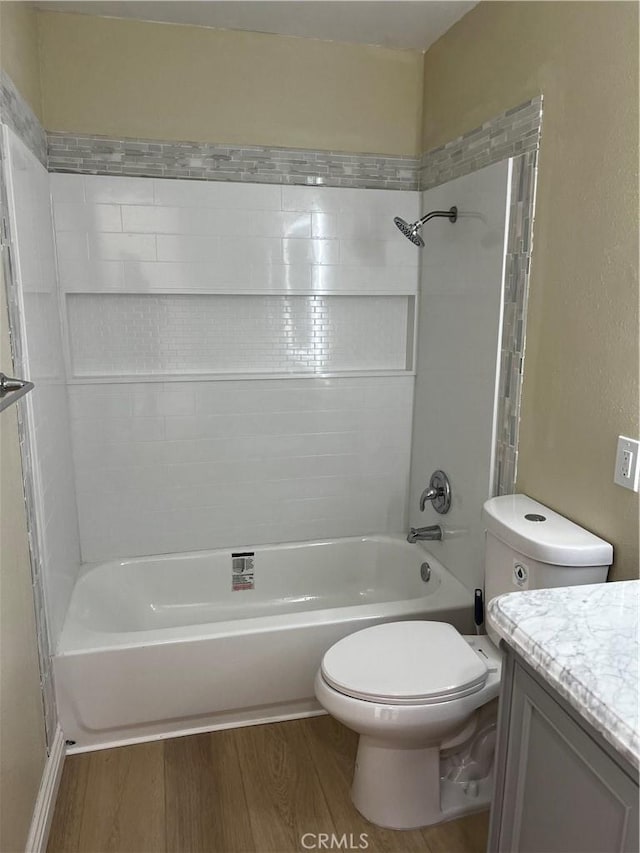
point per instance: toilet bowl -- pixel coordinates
(406, 714)
(422, 696)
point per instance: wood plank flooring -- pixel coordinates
(252, 790)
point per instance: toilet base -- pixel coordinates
(400, 788)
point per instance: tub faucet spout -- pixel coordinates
(419, 534)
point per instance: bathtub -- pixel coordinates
(155, 647)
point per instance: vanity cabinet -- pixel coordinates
(560, 786)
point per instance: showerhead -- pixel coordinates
(410, 231)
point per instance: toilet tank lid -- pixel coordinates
(538, 532)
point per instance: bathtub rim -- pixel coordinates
(77, 639)
(394, 538)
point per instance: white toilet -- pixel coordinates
(420, 694)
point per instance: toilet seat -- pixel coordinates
(405, 663)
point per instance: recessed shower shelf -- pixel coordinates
(120, 336)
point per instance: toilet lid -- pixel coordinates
(404, 663)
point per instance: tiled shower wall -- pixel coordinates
(514, 134)
(208, 452)
(45, 430)
(162, 467)
(460, 322)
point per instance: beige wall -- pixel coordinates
(581, 366)
(22, 746)
(162, 81)
(19, 50)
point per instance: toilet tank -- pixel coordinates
(529, 546)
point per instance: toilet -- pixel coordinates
(423, 697)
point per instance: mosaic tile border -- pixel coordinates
(101, 155)
(18, 115)
(510, 134)
(516, 134)
(514, 320)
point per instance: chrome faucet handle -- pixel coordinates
(438, 492)
(429, 494)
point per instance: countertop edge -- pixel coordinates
(613, 728)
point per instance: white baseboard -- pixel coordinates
(46, 800)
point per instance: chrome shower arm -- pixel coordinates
(451, 215)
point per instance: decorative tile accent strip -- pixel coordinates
(514, 133)
(18, 115)
(516, 292)
(102, 155)
(509, 134)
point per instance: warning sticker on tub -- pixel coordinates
(242, 571)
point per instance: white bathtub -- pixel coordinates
(159, 646)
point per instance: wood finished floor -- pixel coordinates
(250, 790)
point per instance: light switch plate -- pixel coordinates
(627, 470)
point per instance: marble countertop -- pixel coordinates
(583, 640)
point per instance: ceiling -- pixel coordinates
(392, 23)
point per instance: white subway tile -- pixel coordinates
(87, 217)
(364, 278)
(310, 251)
(247, 252)
(369, 225)
(315, 199)
(72, 246)
(82, 274)
(158, 398)
(148, 219)
(388, 203)
(324, 225)
(383, 253)
(226, 196)
(114, 189)
(184, 275)
(216, 222)
(100, 401)
(116, 430)
(277, 224)
(66, 188)
(206, 221)
(279, 277)
(334, 199)
(122, 247)
(401, 252)
(188, 248)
